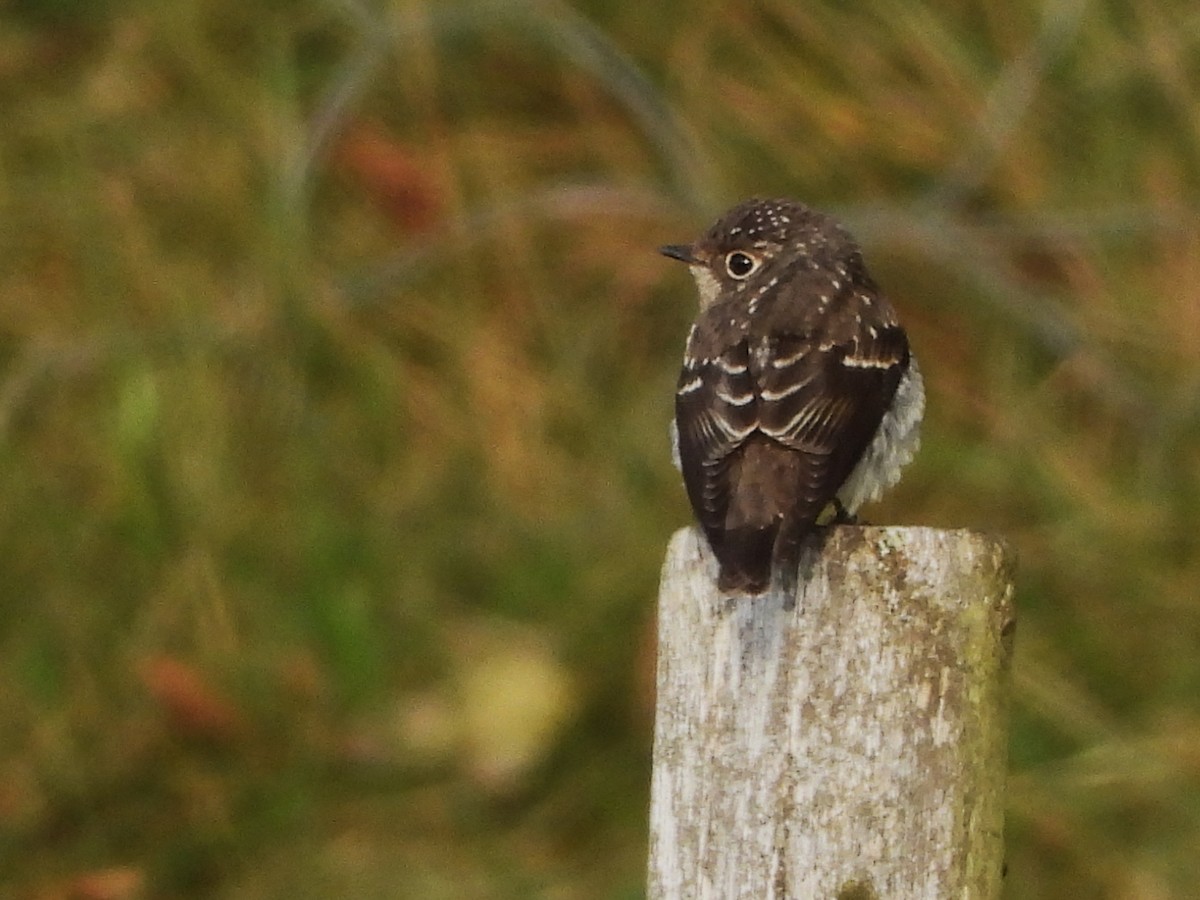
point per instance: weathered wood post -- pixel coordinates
(853, 747)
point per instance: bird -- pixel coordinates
(798, 394)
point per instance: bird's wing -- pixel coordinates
(715, 411)
(824, 399)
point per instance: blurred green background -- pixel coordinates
(335, 368)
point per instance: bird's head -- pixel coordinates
(759, 240)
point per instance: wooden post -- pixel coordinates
(852, 747)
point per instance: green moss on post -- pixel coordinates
(854, 743)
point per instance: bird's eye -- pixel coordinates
(739, 265)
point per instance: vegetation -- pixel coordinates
(335, 367)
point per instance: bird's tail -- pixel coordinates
(755, 560)
(745, 556)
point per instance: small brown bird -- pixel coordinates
(798, 388)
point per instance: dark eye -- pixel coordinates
(739, 265)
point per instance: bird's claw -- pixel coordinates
(841, 516)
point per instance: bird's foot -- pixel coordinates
(841, 516)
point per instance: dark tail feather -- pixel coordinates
(745, 556)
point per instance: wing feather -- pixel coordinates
(715, 410)
(817, 402)
(824, 400)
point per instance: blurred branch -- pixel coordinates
(568, 32)
(38, 362)
(562, 202)
(592, 50)
(1041, 688)
(966, 250)
(1116, 221)
(1008, 102)
(346, 87)
(47, 362)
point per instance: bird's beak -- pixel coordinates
(681, 252)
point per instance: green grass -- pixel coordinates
(335, 366)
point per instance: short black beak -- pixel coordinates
(681, 252)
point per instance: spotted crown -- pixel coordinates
(776, 224)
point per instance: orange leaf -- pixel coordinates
(401, 183)
(194, 708)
